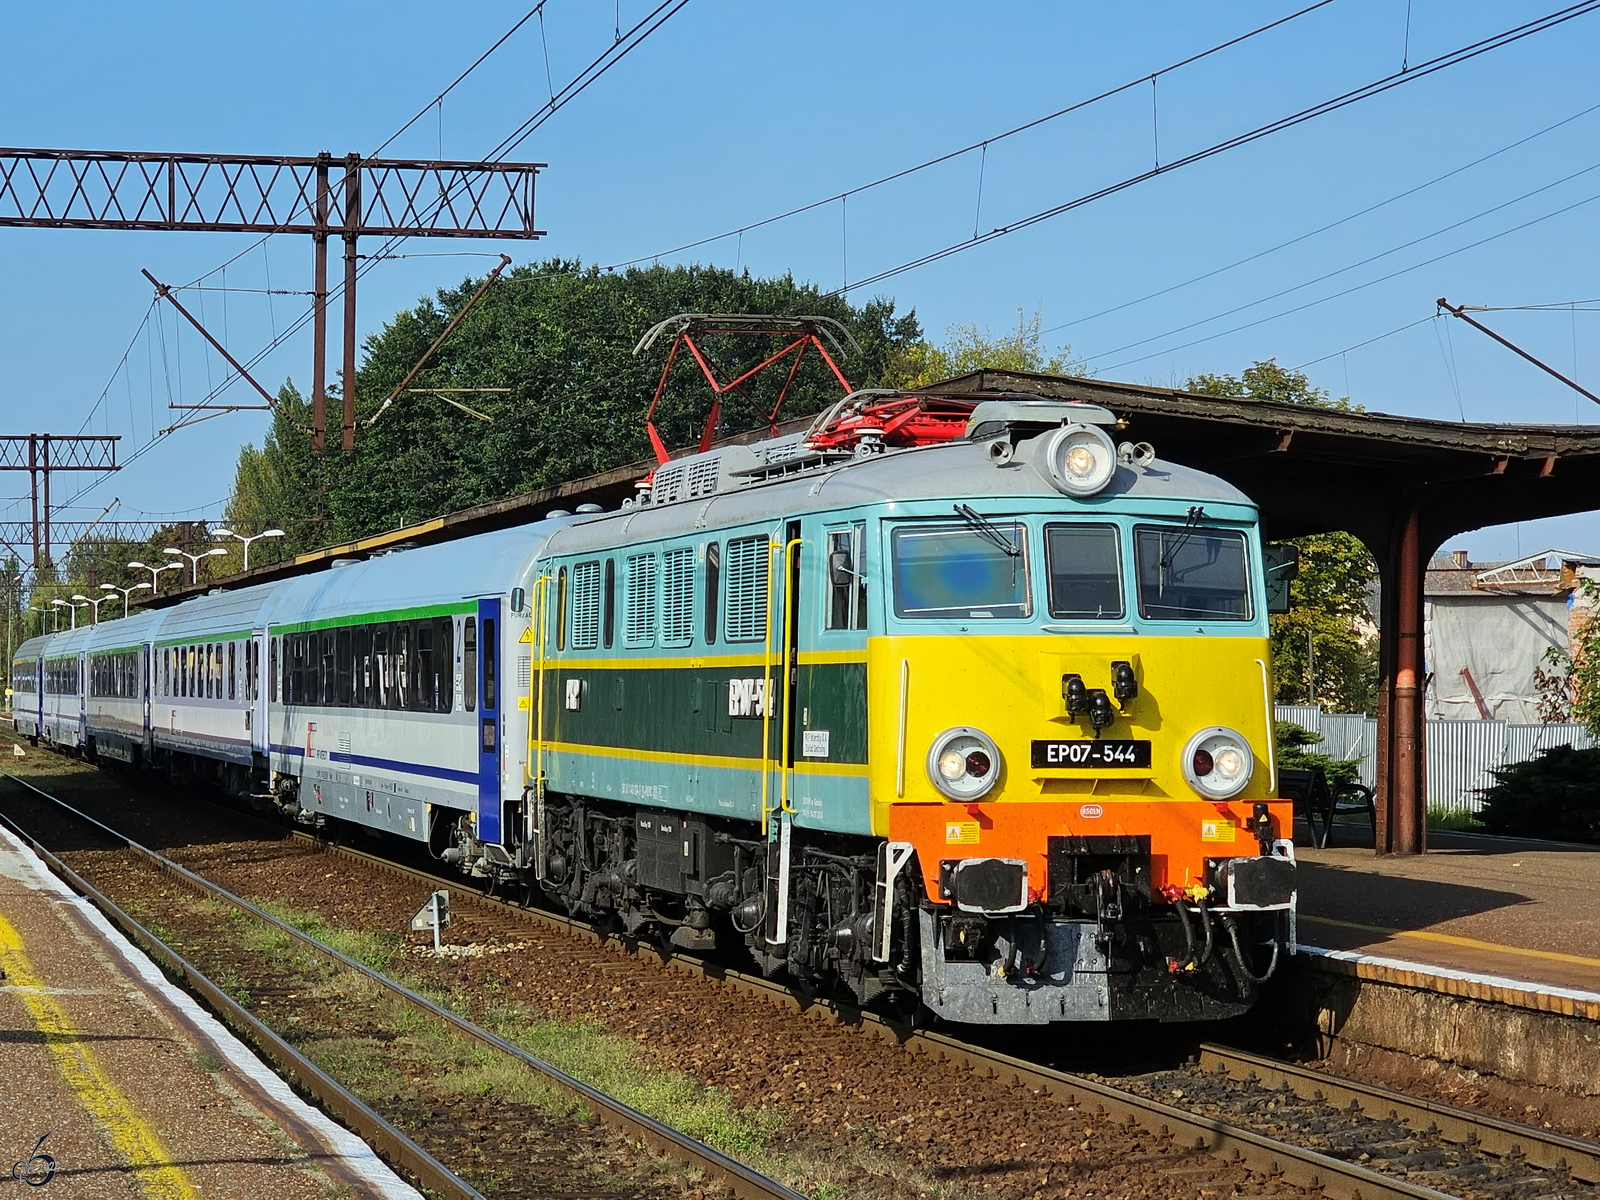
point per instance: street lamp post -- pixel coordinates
(194, 559)
(155, 573)
(94, 602)
(41, 610)
(69, 605)
(124, 592)
(255, 537)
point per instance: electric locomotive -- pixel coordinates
(943, 702)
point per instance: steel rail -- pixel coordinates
(1540, 1147)
(394, 1146)
(1308, 1168)
(744, 1182)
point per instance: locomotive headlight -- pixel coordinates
(1079, 459)
(964, 763)
(1217, 762)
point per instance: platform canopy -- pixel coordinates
(1403, 485)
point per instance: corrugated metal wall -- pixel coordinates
(1460, 753)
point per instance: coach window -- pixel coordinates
(713, 584)
(344, 658)
(490, 683)
(610, 622)
(847, 578)
(427, 693)
(444, 665)
(232, 669)
(469, 663)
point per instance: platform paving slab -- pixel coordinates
(1514, 909)
(137, 1090)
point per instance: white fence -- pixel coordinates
(1460, 753)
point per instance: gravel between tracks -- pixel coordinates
(855, 1116)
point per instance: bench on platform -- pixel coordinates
(1316, 801)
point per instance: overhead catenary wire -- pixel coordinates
(1494, 237)
(982, 145)
(1321, 229)
(1371, 258)
(1356, 95)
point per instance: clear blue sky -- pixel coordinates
(733, 112)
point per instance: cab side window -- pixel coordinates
(847, 578)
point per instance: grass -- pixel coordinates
(1456, 820)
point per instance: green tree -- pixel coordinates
(971, 347)
(560, 336)
(1325, 648)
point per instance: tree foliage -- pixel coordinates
(1568, 683)
(560, 336)
(1555, 794)
(970, 347)
(1324, 648)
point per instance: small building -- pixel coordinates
(1487, 627)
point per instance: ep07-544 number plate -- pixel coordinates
(1098, 752)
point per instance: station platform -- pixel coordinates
(1502, 919)
(128, 1085)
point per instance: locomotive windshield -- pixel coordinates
(1189, 574)
(1085, 568)
(940, 571)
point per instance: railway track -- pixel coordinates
(396, 1146)
(1337, 1136)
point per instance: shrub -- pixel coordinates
(1555, 794)
(1292, 741)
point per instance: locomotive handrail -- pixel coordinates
(791, 599)
(541, 605)
(766, 702)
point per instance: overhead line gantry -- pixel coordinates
(241, 193)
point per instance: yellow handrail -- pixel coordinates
(541, 601)
(766, 697)
(789, 614)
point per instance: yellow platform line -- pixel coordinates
(1450, 939)
(132, 1137)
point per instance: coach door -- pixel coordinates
(83, 697)
(489, 696)
(255, 690)
(147, 679)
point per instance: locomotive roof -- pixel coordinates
(956, 470)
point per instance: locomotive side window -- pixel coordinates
(677, 597)
(713, 583)
(639, 624)
(586, 605)
(745, 615)
(1189, 574)
(610, 590)
(469, 668)
(847, 578)
(1084, 567)
(969, 572)
(561, 609)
